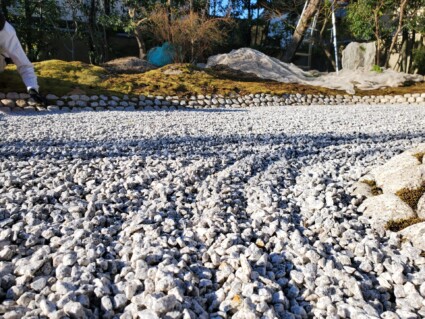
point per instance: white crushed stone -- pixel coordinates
(203, 214)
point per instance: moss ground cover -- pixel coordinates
(420, 156)
(411, 196)
(375, 190)
(399, 224)
(59, 77)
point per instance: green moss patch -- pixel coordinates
(399, 224)
(420, 156)
(60, 77)
(375, 190)
(411, 196)
(408, 89)
(377, 69)
(191, 80)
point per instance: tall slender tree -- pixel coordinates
(138, 13)
(403, 5)
(302, 26)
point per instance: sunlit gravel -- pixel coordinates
(241, 213)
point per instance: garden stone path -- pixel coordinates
(244, 213)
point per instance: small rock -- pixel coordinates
(415, 233)
(39, 284)
(164, 304)
(147, 314)
(74, 309)
(47, 307)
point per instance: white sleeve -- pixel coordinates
(14, 50)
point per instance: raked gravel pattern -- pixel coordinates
(202, 214)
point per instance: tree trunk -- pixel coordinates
(28, 29)
(170, 19)
(107, 7)
(301, 28)
(404, 47)
(192, 52)
(91, 30)
(248, 34)
(327, 51)
(403, 5)
(73, 39)
(378, 51)
(256, 26)
(106, 32)
(324, 47)
(264, 34)
(410, 51)
(207, 8)
(140, 43)
(377, 31)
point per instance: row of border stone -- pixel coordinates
(22, 101)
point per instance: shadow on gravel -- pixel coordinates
(295, 148)
(296, 145)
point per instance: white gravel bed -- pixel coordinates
(202, 214)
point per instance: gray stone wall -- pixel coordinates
(21, 101)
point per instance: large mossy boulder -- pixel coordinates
(395, 195)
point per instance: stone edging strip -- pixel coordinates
(12, 102)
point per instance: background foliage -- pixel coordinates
(198, 28)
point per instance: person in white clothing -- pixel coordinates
(10, 47)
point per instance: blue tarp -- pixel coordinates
(162, 55)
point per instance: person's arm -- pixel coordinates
(14, 50)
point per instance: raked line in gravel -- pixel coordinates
(202, 214)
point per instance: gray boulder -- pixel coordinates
(416, 234)
(359, 55)
(421, 207)
(361, 189)
(386, 207)
(398, 162)
(401, 171)
(406, 178)
(419, 149)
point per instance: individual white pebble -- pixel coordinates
(120, 301)
(47, 307)
(147, 314)
(422, 289)
(389, 315)
(69, 259)
(74, 309)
